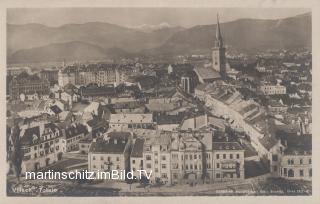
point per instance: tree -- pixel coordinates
(17, 154)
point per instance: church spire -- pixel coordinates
(218, 42)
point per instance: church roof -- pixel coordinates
(207, 73)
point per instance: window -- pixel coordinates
(224, 156)
(274, 157)
(310, 161)
(186, 157)
(163, 158)
(118, 159)
(149, 166)
(195, 167)
(231, 156)
(156, 170)
(195, 156)
(156, 161)
(148, 157)
(238, 156)
(310, 172)
(217, 175)
(301, 172)
(301, 161)
(285, 171)
(191, 166)
(155, 153)
(133, 161)
(94, 158)
(163, 175)
(218, 165)
(35, 148)
(101, 158)
(217, 155)
(163, 166)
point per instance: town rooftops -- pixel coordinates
(114, 144)
(137, 150)
(74, 130)
(226, 146)
(131, 118)
(299, 144)
(169, 119)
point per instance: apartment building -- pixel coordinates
(42, 146)
(273, 89)
(156, 156)
(228, 158)
(191, 157)
(73, 135)
(110, 153)
(136, 156)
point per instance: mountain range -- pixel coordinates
(96, 40)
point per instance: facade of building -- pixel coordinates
(269, 89)
(229, 161)
(156, 156)
(100, 74)
(136, 157)
(73, 135)
(110, 153)
(49, 74)
(191, 157)
(28, 84)
(296, 166)
(42, 146)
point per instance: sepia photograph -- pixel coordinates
(158, 102)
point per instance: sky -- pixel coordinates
(131, 17)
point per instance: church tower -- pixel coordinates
(218, 53)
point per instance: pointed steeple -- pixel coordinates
(218, 42)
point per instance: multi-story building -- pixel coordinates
(14, 71)
(296, 162)
(100, 74)
(136, 157)
(191, 157)
(156, 156)
(28, 84)
(273, 89)
(49, 74)
(73, 135)
(126, 122)
(110, 153)
(42, 146)
(228, 158)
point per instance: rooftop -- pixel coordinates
(137, 149)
